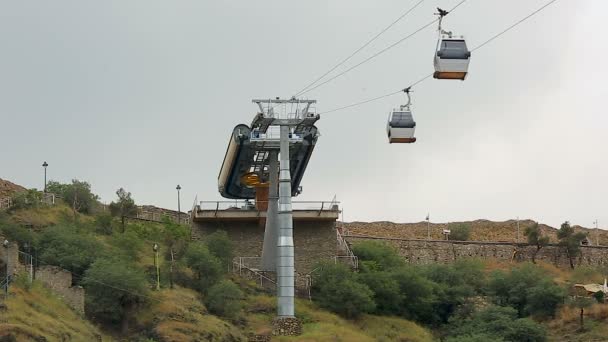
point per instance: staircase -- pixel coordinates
(345, 254)
(248, 267)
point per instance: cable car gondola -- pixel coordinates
(401, 125)
(451, 56)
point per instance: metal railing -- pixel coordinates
(332, 205)
(244, 264)
(273, 133)
(5, 283)
(342, 244)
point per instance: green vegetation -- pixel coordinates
(496, 323)
(115, 289)
(460, 232)
(571, 241)
(35, 314)
(224, 299)
(536, 238)
(460, 301)
(124, 206)
(77, 195)
(387, 299)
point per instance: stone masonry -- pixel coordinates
(314, 241)
(60, 282)
(441, 251)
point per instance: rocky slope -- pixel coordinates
(8, 189)
(481, 230)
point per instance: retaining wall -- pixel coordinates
(441, 251)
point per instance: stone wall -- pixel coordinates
(60, 282)
(12, 254)
(440, 251)
(314, 241)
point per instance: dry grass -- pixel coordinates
(36, 313)
(45, 216)
(179, 315)
(321, 325)
(566, 326)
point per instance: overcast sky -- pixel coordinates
(144, 94)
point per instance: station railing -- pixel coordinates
(332, 205)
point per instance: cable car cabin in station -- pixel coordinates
(401, 126)
(452, 58)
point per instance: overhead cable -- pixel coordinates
(361, 48)
(428, 76)
(379, 52)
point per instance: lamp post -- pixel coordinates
(45, 164)
(5, 244)
(179, 211)
(155, 249)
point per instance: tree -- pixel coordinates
(77, 194)
(386, 292)
(419, 295)
(455, 285)
(176, 238)
(207, 268)
(125, 206)
(26, 199)
(570, 241)
(336, 288)
(224, 299)
(528, 289)
(536, 238)
(68, 248)
(114, 290)
(219, 244)
(581, 303)
(460, 232)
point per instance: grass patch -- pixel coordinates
(36, 313)
(179, 315)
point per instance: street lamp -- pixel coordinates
(179, 211)
(5, 244)
(155, 249)
(45, 164)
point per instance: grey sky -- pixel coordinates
(144, 94)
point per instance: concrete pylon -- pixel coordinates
(285, 258)
(271, 231)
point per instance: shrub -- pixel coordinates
(66, 247)
(418, 295)
(376, 256)
(207, 268)
(27, 199)
(224, 299)
(337, 289)
(527, 289)
(386, 292)
(115, 288)
(219, 244)
(497, 323)
(460, 232)
(103, 224)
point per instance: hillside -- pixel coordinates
(33, 313)
(481, 230)
(8, 189)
